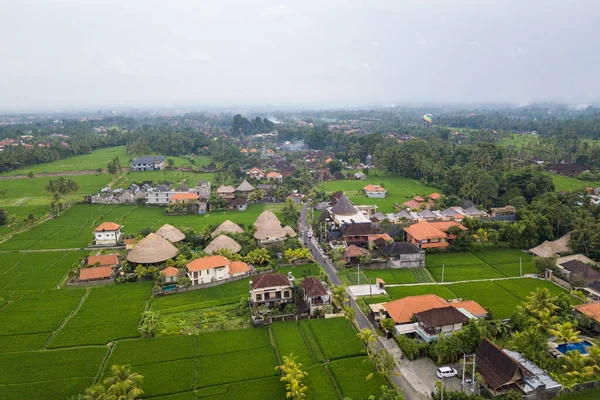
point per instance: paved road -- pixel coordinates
(361, 320)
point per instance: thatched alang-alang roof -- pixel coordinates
(290, 231)
(245, 187)
(223, 242)
(170, 233)
(268, 227)
(344, 207)
(151, 250)
(227, 227)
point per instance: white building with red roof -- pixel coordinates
(108, 234)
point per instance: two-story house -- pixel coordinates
(271, 290)
(108, 234)
(148, 163)
(208, 269)
(446, 320)
(375, 191)
(316, 295)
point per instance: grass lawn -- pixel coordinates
(490, 295)
(453, 273)
(570, 184)
(402, 291)
(399, 189)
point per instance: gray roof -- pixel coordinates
(379, 216)
(540, 377)
(148, 159)
(162, 188)
(426, 214)
(344, 207)
(402, 214)
(474, 211)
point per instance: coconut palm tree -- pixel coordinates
(540, 301)
(575, 365)
(594, 356)
(500, 328)
(95, 392)
(544, 321)
(565, 333)
(367, 336)
(339, 295)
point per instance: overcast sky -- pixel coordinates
(102, 53)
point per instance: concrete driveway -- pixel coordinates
(422, 376)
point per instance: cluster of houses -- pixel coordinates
(194, 198)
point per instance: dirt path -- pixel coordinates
(61, 173)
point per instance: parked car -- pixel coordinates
(446, 372)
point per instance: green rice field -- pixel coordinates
(500, 297)
(74, 228)
(399, 189)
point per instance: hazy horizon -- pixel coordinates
(64, 54)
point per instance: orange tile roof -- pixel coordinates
(170, 271)
(253, 150)
(446, 225)
(413, 204)
(110, 259)
(200, 264)
(374, 188)
(329, 159)
(435, 196)
(402, 310)
(108, 226)
(238, 267)
(254, 169)
(419, 199)
(184, 196)
(86, 274)
(273, 175)
(592, 310)
(425, 230)
(471, 306)
(243, 150)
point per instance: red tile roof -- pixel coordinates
(424, 231)
(184, 196)
(170, 271)
(110, 259)
(210, 262)
(86, 274)
(238, 267)
(435, 196)
(107, 226)
(374, 188)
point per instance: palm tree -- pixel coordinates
(594, 356)
(540, 301)
(95, 392)
(544, 321)
(500, 328)
(122, 373)
(565, 333)
(575, 365)
(124, 390)
(339, 295)
(367, 336)
(350, 314)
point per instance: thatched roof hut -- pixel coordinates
(152, 249)
(223, 242)
(227, 227)
(268, 228)
(290, 231)
(245, 187)
(170, 233)
(344, 207)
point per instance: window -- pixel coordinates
(259, 297)
(286, 294)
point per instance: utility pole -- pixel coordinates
(358, 274)
(468, 359)
(443, 268)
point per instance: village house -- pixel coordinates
(271, 290)
(208, 269)
(578, 268)
(255, 173)
(505, 370)
(506, 214)
(316, 294)
(268, 229)
(590, 311)
(402, 311)
(404, 255)
(109, 260)
(203, 189)
(226, 192)
(426, 235)
(108, 234)
(375, 191)
(238, 204)
(432, 323)
(419, 203)
(148, 163)
(245, 188)
(96, 273)
(170, 274)
(353, 253)
(274, 177)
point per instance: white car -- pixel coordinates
(446, 372)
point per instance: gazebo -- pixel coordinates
(153, 249)
(170, 233)
(223, 242)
